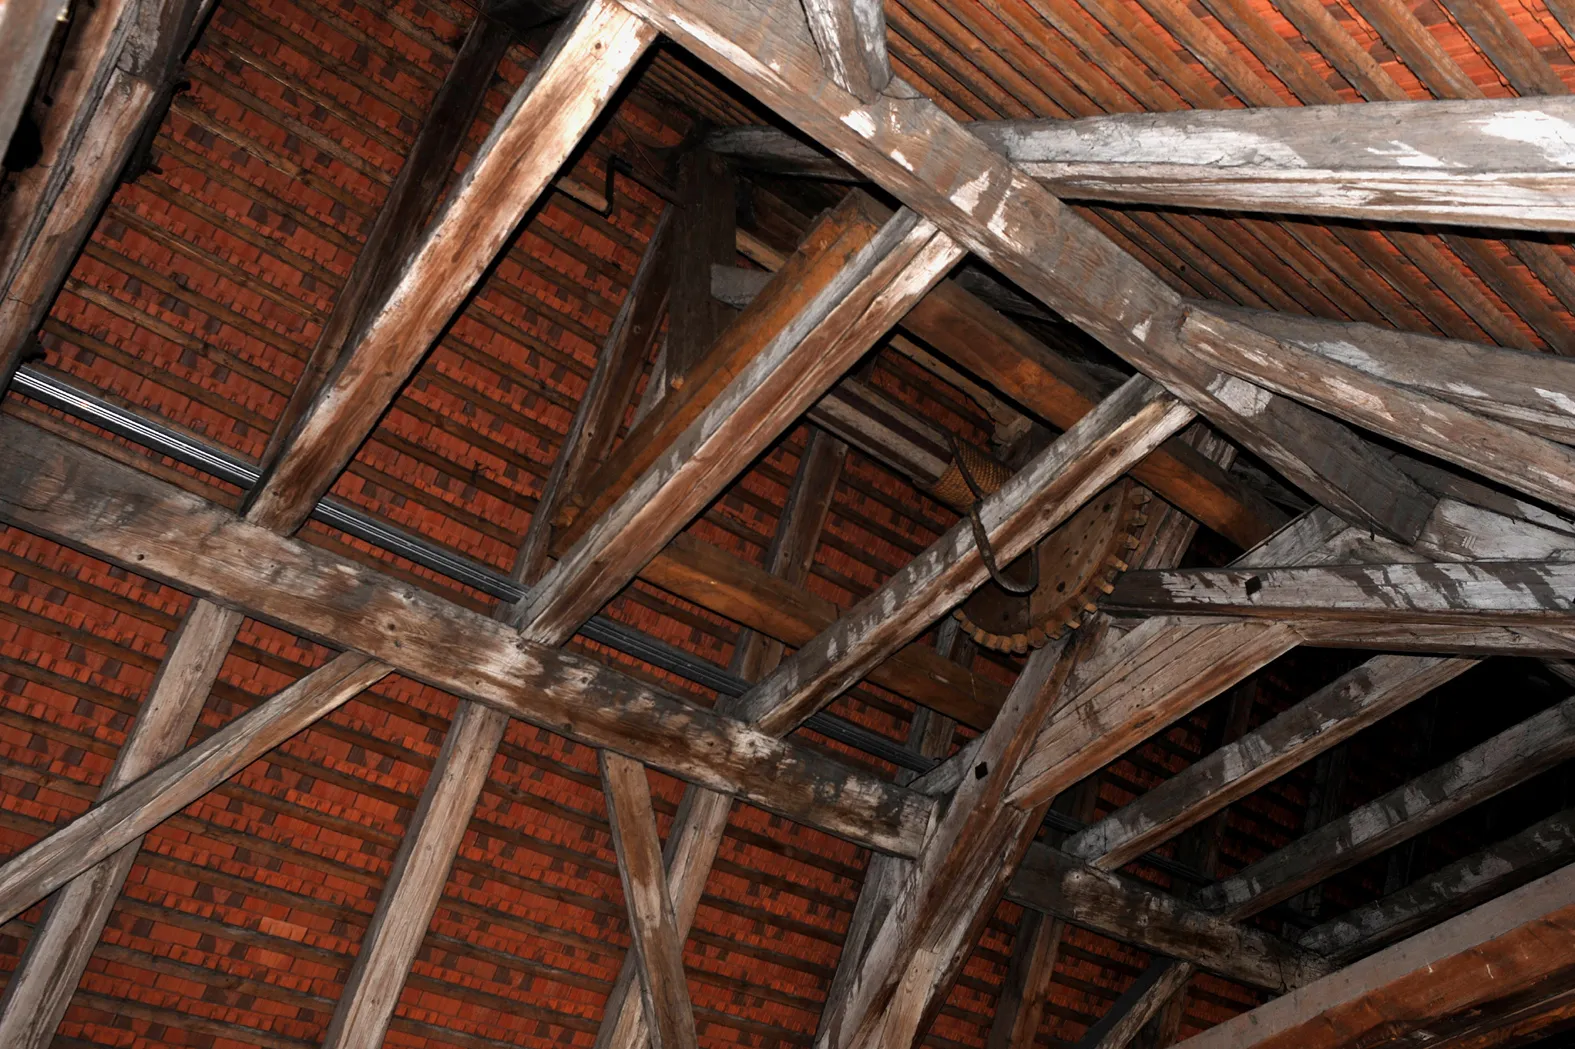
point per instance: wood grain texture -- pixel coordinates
(1050, 489)
(1472, 162)
(54, 488)
(40, 988)
(1481, 595)
(600, 412)
(1134, 913)
(1457, 969)
(704, 234)
(1138, 1004)
(819, 340)
(1511, 757)
(820, 259)
(930, 162)
(420, 870)
(1509, 385)
(730, 587)
(542, 124)
(142, 804)
(918, 950)
(851, 35)
(1540, 468)
(1335, 712)
(1446, 892)
(657, 943)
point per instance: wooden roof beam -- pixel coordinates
(1334, 713)
(959, 325)
(851, 35)
(1491, 767)
(126, 55)
(1448, 891)
(1513, 946)
(657, 944)
(933, 164)
(1055, 883)
(1413, 596)
(1466, 162)
(1501, 451)
(1096, 451)
(55, 488)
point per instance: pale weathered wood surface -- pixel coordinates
(657, 942)
(1446, 892)
(1472, 162)
(1357, 699)
(1479, 594)
(1046, 492)
(851, 35)
(1138, 1004)
(1530, 390)
(1080, 893)
(540, 127)
(141, 805)
(1501, 451)
(799, 361)
(1511, 757)
(55, 488)
(905, 143)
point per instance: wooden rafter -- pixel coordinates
(905, 143)
(199, 547)
(1471, 162)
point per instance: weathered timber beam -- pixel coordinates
(1458, 969)
(542, 123)
(1465, 162)
(1085, 459)
(851, 35)
(656, 942)
(120, 819)
(1446, 892)
(701, 820)
(714, 579)
(909, 146)
(1482, 594)
(1501, 451)
(1138, 1004)
(968, 332)
(26, 27)
(802, 356)
(1357, 699)
(1053, 882)
(54, 488)
(601, 409)
(40, 989)
(1511, 757)
(812, 271)
(126, 54)
(951, 888)
(1159, 672)
(402, 217)
(1512, 386)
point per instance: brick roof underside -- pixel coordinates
(201, 294)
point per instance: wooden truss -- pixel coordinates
(1395, 555)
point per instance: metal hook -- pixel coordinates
(981, 538)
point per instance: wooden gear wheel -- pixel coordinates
(1077, 562)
